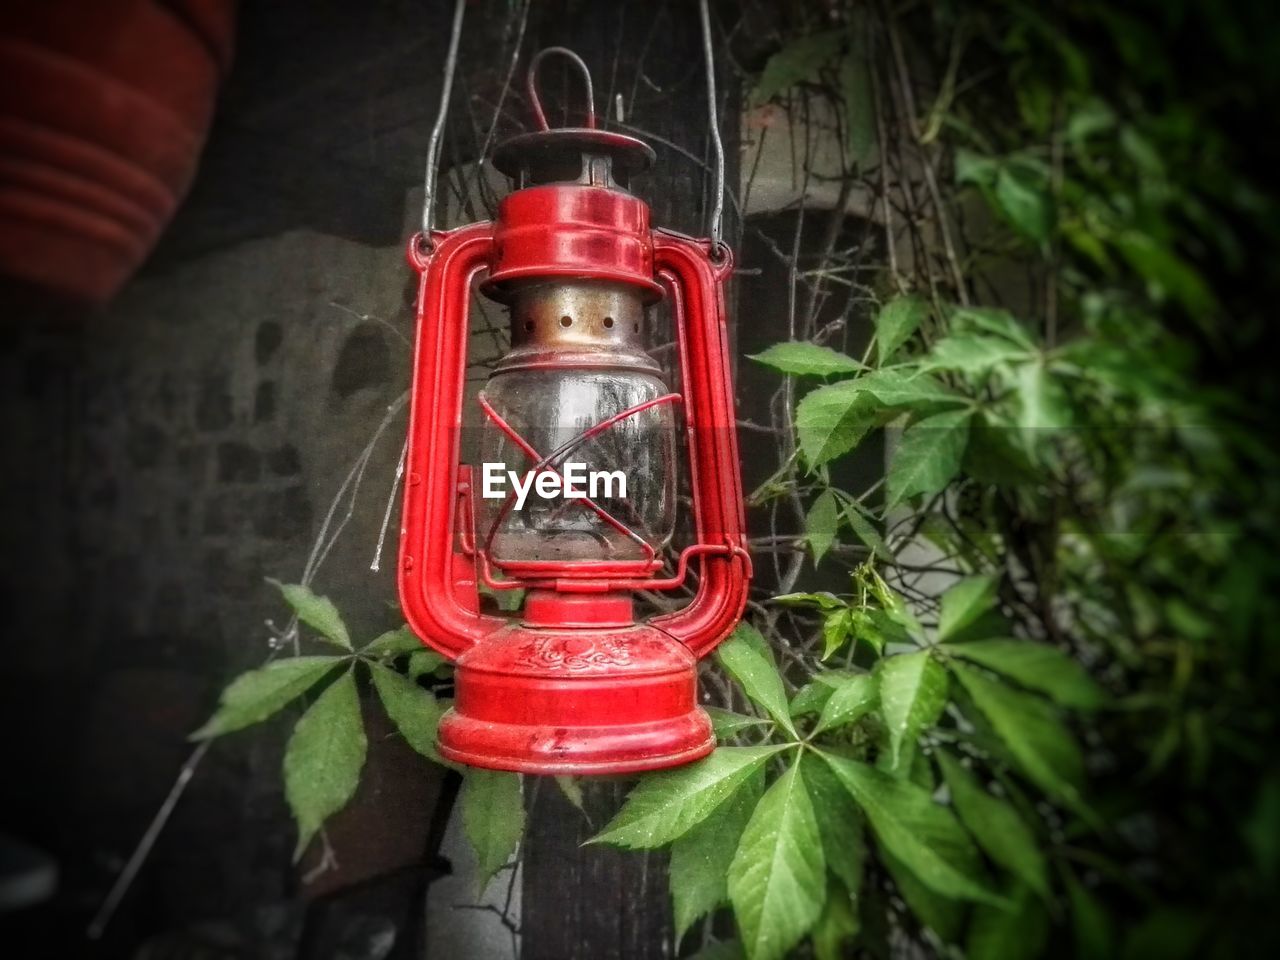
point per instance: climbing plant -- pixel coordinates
(1036, 720)
(325, 754)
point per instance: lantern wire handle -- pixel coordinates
(531, 85)
(716, 227)
(434, 143)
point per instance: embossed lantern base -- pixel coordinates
(609, 696)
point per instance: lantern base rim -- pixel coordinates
(576, 750)
(576, 700)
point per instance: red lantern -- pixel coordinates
(574, 683)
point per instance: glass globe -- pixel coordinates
(576, 360)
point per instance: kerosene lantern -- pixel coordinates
(573, 499)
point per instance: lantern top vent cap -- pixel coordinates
(547, 156)
(563, 154)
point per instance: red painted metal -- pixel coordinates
(571, 230)
(103, 115)
(574, 684)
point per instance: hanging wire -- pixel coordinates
(434, 144)
(531, 84)
(716, 227)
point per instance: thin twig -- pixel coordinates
(140, 853)
(375, 566)
(931, 181)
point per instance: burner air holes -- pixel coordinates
(566, 321)
(608, 323)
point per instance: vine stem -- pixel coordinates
(376, 565)
(930, 178)
(437, 129)
(116, 894)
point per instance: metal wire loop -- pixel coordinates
(531, 85)
(434, 143)
(716, 226)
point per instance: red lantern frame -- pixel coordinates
(575, 685)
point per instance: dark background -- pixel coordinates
(166, 453)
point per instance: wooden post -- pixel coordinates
(596, 902)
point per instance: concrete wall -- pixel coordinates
(168, 457)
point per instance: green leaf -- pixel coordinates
(1166, 273)
(822, 600)
(982, 320)
(507, 601)
(1167, 932)
(802, 358)
(323, 759)
(896, 612)
(395, 643)
(1260, 829)
(813, 696)
(1025, 201)
(820, 524)
(964, 604)
(1033, 732)
(1038, 666)
(701, 858)
(859, 105)
(878, 628)
(975, 168)
(924, 836)
(865, 530)
(895, 389)
(1017, 932)
(911, 764)
(778, 876)
(996, 826)
(943, 915)
(1095, 939)
(748, 635)
(973, 355)
(720, 950)
(896, 322)
(837, 925)
(414, 711)
(1092, 117)
(840, 823)
(492, 818)
(850, 701)
(1144, 156)
(831, 420)
(666, 805)
(837, 628)
(257, 694)
(928, 456)
(798, 61)
(315, 611)
(913, 692)
(745, 656)
(571, 789)
(726, 723)
(423, 662)
(1043, 404)
(810, 699)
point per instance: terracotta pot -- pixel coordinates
(104, 109)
